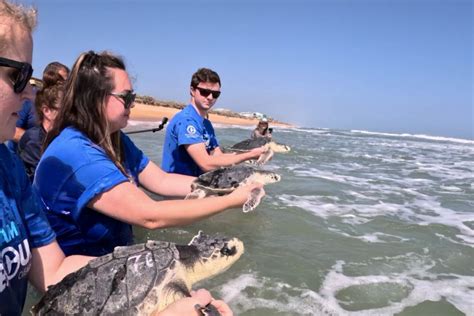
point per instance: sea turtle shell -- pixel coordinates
(251, 143)
(226, 179)
(141, 279)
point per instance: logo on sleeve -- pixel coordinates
(191, 130)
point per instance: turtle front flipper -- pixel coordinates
(251, 162)
(254, 200)
(196, 194)
(265, 157)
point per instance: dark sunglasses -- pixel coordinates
(128, 98)
(206, 92)
(21, 76)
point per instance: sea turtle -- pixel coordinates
(251, 143)
(224, 180)
(141, 279)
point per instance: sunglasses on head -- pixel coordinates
(128, 98)
(205, 92)
(21, 76)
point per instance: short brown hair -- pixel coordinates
(205, 75)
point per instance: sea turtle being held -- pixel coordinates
(251, 143)
(141, 279)
(224, 180)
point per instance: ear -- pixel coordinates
(191, 91)
(46, 112)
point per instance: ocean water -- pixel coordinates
(361, 224)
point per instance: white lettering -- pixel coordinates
(3, 278)
(12, 260)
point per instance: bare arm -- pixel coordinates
(168, 184)
(18, 133)
(129, 204)
(49, 265)
(210, 162)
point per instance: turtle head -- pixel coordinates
(265, 177)
(279, 148)
(206, 256)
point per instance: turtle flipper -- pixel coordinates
(196, 194)
(254, 200)
(265, 157)
(251, 162)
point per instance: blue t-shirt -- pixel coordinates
(186, 128)
(26, 120)
(23, 226)
(72, 171)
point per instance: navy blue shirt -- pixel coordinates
(29, 148)
(186, 128)
(26, 120)
(71, 172)
(23, 226)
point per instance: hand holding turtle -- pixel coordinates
(248, 195)
(196, 305)
(257, 152)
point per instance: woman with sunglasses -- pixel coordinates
(47, 103)
(29, 250)
(90, 172)
(191, 146)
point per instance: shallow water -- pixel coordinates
(361, 224)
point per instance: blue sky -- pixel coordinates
(390, 66)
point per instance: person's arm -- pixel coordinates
(168, 184)
(49, 265)
(210, 162)
(18, 134)
(127, 203)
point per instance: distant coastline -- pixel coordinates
(150, 109)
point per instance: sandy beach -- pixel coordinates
(144, 112)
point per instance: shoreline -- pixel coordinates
(151, 113)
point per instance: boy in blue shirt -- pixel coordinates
(191, 147)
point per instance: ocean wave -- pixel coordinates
(420, 136)
(365, 293)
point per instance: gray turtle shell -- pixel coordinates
(112, 284)
(224, 179)
(249, 144)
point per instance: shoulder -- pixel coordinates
(72, 147)
(33, 133)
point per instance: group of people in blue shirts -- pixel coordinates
(86, 192)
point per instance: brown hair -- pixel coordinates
(51, 97)
(52, 91)
(89, 83)
(204, 75)
(51, 73)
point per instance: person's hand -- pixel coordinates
(257, 152)
(191, 305)
(242, 193)
(222, 308)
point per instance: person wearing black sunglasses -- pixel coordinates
(29, 244)
(90, 173)
(30, 247)
(191, 146)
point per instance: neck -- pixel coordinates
(201, 112)
(47, 125)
